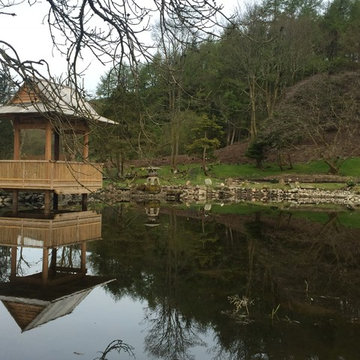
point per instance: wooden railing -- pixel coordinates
(63, 229)
(61, 176)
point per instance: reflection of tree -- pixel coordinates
(118, 346)
(171, 335)
(187, 273)
(69, 256)
(22, 263)
(4, 263)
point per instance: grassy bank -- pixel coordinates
(218, 173)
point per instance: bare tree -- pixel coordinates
(112, 31)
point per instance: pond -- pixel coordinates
(181, 282)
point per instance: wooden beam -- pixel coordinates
(55, 201)
(13, 262)
(48, 133)
(16, 140)
(15, 202)
(56, 145)
(47, 202)
(86, 146)
(84, 202)
(45, 265)
(53, 260)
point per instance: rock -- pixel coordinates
(229, 181)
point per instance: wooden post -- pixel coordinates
(86, 146)
(47, 202)
(53, 260)
(55, 201)
(56, 158)
(84, 197)
(56, 145)
(48, 134)
(45, 265)
(84, 202)
(83, 258)
(16, 141)
(15, 202)
(13, 262)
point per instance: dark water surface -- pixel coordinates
(231, 282)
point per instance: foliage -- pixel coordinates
(324, 111)
(256, 150)
(205, 138)
(247, 82)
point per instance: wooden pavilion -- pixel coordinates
(57, 110)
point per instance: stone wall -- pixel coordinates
(236, 193)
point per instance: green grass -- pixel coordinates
(351, 167)
(350, 219)
(219, 172)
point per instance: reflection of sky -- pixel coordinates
(32, 260)
(94, 323)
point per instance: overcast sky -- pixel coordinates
(28, 34)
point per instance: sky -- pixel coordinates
(28, 34)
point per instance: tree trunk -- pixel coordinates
(204, 161)
(333, 167)
(253, 127)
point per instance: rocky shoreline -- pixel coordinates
(295, 195)
(234, 194)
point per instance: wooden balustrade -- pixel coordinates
(59, 176)
(63, 229)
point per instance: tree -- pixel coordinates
(110, 31)
(341, 33)
(256, 151)
(323, 111)
(272, 46)
(118, 101)
(206, 133)
(172, 49)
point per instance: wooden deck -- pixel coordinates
(63, 229)
(59, 176)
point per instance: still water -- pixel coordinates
(144, 282)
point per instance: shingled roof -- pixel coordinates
(42, 96)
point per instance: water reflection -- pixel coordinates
(299, 269)
(152, 210)
(61, 284)
(294, 276)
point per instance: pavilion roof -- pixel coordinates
(42, 96)
(32, 306)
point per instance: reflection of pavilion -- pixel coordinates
(36, 305)
(35, 299)
(49, 233)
